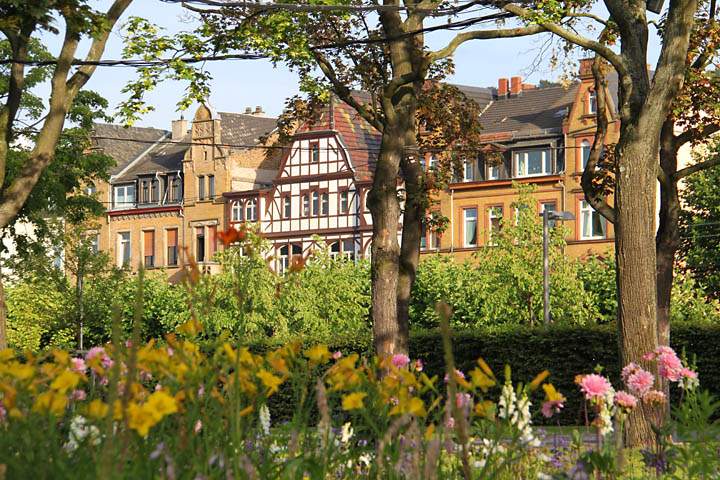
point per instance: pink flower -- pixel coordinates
(78, 365)
(400, 360)
(450, 422)
(198, 426)
(3, 412)
(625, 400)
(640, 382)
(95, 352)
(201, 391)
(689, 374)
(551, 407)
(458, 374)
(79, 395)
(337, 355)
(419, 365)
(669, 366)
(170, 352)
(462, 399)
(629, 369)
(595, 386)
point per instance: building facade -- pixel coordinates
(164, 198)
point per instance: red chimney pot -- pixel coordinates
(502, 87)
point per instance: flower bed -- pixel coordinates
(176, 410)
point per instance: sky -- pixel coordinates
(249, 83)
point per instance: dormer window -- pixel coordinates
(530, 163)
(592, 102)
(124, 196)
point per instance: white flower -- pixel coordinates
(264, 415)
(365, 459)
(346, 433)
(79, 431)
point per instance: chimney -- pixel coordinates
(586, 68)
(515, 85)
(248, 110)
(179, 129)
(259, 111)
(502, 87)
(528, 86)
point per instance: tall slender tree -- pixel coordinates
(22, 24)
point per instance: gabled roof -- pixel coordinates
(166, 156)
(535, 111)
(124, 144)
(240, 129)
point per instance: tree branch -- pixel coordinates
(684, 172)
(595, 198)
(483, 35)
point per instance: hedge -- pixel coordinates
(564, 351)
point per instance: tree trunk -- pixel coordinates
(410, 248)
(635, 254)
(385, 210)
(667, 239)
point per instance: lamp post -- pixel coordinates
(548, 215)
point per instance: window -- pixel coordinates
(433, 162)
(335, 249)
(423, 236)
(201, 187)
(200, 244)
(592, 223)
(470, 227)
(348, 249)
(172, 247)
(495, 215)
(367, 206)
(315, 152)
(212, 244)
(592, 102)
(236, 212)
(251, 210)
(306, 205)
(296, 251)
(145, 191)
(175, 189)
(344, 201)
(95, 243)
(468, 171)
(149, 248)
(124, 196)
(585, 148)
(287, 206)
(325, 204)
(550, 207)
(493, 172)
(315, 203)
(155, 191)
(124, 252)
(211, 186)
(533, 162)
(283, 259)
(90, 189)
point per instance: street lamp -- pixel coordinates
(548, 215)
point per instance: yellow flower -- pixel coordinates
(246, 411)
(97, 409)
(161, 404)
(353, 401)
(52, 402)
(481, 380)
(190, 328)
(551, 394)
(21, 371)
(61, 357)
(318, 354)
(270, 381)
(6, 354)
(485, 368)
(416, 407)
(485, 409)
(140, 419)
(539, 379)
(429, 432)
(67, 380)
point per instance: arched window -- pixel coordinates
(585, 149)
(236, 213)
(325, 205)
(365, 202)
(251, 210)
(315, 203)
(335, 249)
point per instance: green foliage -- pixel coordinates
(502, 284)
(700, 221)
(598, 276)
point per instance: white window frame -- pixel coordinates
(545, 160)
(121, 261)
(251, 210)
(236, 212)
(287, 206)
(468, 171)
(585, 149)
(125, 188)
(344, 201)
(592, 102)
(493, 172)
(466, 219)
(586, 218)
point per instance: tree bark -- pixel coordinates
(667, 238)
(413, 216)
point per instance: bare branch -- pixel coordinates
(596, 199)
(483, 35)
